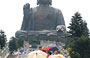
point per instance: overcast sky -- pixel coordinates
(11, 12)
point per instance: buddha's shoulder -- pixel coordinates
(56, 10)
(51, 8)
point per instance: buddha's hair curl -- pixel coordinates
(49, 2)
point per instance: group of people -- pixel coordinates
(52, 53)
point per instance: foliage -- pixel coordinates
(78, 27)
(20, 42)
(79, 48)
(3, 39)
(78, 44)
(34, 43)
(15, 43)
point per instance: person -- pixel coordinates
(49, 53)
(52, 52)
(57, 52)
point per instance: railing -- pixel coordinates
(5, 52)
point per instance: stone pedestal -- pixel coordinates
(51, 35)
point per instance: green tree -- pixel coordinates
(13, 44)
(78, 27)
(20, 42)
(80, 48)
(79, 43)
(34, 43)
(3, 39)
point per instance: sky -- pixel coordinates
(11, 12)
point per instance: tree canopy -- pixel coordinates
(3, 39)
(78, 27)
(78, 44)
(15, 43)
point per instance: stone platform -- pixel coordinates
(51, 35)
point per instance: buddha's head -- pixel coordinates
(44, 2)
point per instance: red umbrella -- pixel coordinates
(46, 48)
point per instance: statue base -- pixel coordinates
(51, 35)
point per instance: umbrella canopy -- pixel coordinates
(52, 45)
(21, 51)
(37, 54)
(46, 48)
(53, 49)
(56, 56)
